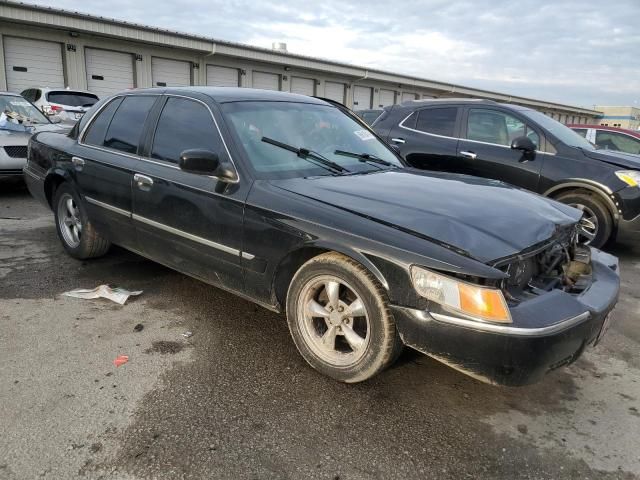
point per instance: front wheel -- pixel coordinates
(75, 231)
(339, 319)
(596, 224)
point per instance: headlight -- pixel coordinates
(480, 302)
(630, 177)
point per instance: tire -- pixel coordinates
(324, 331)
(593, 208)
(78, 236)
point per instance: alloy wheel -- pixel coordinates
(333, 320)
(588, 224)
(69, 220)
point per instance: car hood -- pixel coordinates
(11, 137)
(627, 160)
(484, 219)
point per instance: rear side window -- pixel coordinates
(438, 121)
(581, 131)
(72, 99)
(126, 126)
(183, 125)
(98, 128)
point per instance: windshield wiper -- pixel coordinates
(365, 157)
(307, 155)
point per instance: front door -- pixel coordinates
(485, 148)
(190, 222)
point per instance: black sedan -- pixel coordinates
(295, 204)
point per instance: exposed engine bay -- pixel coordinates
(560, 264)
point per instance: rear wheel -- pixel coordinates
(76, 232)
(339, 319)
(596, 224)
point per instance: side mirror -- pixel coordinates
(206, 162)
(523, 143)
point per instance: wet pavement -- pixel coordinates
(236, 401)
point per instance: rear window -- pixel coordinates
(72, 99)
(438, 121)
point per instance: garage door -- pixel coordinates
(32, 63)
(334, 91)
(408, 96)
(170, 73)
(222, 76)
(266, 81)
(108, 72)
(387, 97)
(303, 86)
(361, 98)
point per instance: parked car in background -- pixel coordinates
(295, 204)
(68, 105)
(369, 116)
(19, 119)
(610, 138)
(522, 147)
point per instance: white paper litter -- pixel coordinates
(118, 295)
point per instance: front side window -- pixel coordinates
(438, 121)
(492, 126)
(581, 131)
(183, 125)
(322, 129)
(126, 126)
(617, 141)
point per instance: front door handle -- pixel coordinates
(398, 140)
(470, 155)
(143, 182)
(78, 163)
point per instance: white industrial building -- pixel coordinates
(42, 46)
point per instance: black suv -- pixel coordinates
(522, 147)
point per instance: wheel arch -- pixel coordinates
(602, 192)
(51, 183)
(292, 262)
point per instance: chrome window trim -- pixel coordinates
(401, 125)
(504, 329)
(82, 134)
(107, 206)
(167, 228)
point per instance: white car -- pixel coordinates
(68, 105)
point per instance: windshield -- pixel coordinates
(321, 129)
(17, 111)
(558, 130)
(72, 99)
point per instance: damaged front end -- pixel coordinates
(560, 263)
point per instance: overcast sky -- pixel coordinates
(576, 52)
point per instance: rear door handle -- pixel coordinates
(398, 140)
(470, 155)
(78, 163)
(144, 183)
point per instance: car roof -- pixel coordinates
(60, 89)
(633, 133)
(10, 94)
(235, 94)
(410, 104)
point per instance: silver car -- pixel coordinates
(19, 119)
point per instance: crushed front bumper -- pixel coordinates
(547, 332)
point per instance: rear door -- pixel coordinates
(104, 163)
(427, 138)
(190, 222)
(485, 147)
(109, 72)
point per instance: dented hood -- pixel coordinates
(485, 218)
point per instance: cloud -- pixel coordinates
(570, 51)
